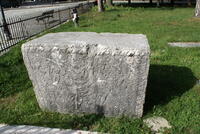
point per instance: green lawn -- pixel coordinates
(172, 91)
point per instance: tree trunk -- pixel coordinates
(158, 3)
(100, 6)
(109, 2)
(189, 3)
(150, 1)
(197, 10)
(129, 2)
(172, 2)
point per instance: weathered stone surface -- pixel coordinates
(86, 72)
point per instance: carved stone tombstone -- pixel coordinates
(85, 72)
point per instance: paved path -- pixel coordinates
(25, 129)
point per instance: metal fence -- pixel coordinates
(22, 27)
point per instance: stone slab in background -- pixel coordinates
(184, 44)
(85, 72)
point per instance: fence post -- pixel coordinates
(59, 16)
(45, 24)
(22, 27)
(69, 13)
(5, 25)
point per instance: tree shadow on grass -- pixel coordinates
(166, 82)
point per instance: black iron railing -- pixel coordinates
(23, 27)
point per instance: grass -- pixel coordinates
(172, 90)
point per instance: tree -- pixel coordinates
(129, 2)
(189, 3)
(158, 3)
(197, 10)
(172, 2)
(109, 2)
(150, 1)
(100, 6)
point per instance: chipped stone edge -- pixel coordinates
(140, 100)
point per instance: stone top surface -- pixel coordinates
(125, 41)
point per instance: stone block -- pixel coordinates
(86, 72)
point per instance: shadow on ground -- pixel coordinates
(165, 83)
(77, 122)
